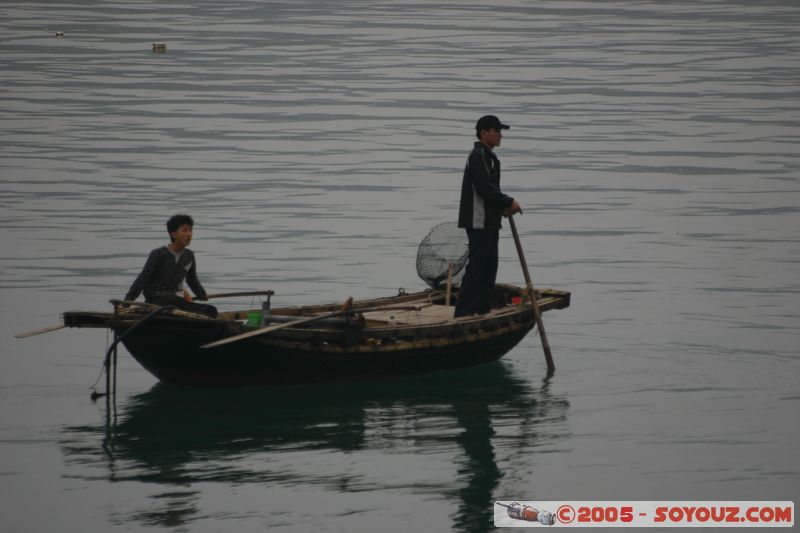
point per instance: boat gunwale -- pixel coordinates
(449, 328)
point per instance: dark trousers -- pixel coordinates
(180, 303)
(477, 287)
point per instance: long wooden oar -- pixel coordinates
(548, 356)
(300, 321)
(48, 329)
(268, 329)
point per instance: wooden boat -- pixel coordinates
(404, 334)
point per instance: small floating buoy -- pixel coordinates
(59, 34)
(159, 48)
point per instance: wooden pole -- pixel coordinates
(449, 283)
(548, 355)
(234, 294)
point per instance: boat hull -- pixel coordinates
(262, 364)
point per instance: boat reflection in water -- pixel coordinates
(178, 436)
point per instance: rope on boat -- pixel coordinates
(112, 349)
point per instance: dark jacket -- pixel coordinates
(162, 274)
(482, 201)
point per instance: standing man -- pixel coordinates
(482, 206)
(168, 267)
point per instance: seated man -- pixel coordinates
(162, 278)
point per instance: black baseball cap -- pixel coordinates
(490, 122)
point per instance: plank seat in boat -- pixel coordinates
(424, 315)
(428, 315)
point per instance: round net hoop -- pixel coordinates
(446, 244)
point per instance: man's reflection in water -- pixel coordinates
(512, 403)
(479, 469)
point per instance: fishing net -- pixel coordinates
(444, 245)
